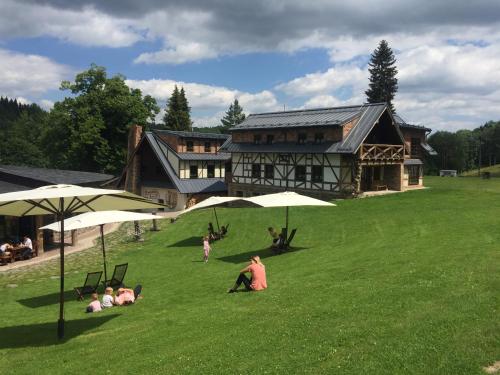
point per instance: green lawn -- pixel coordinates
(400, 284)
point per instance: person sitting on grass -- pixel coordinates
(211, 232)
(275, 236)
(258, 279)
(125, 296)
(94, 305)
(107, 298)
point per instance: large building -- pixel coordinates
(176, 168)
(328, 152)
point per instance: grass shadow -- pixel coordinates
(47, 299)
(189, 242)
(263, 253)
(45, 334)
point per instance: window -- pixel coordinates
(189, 146)
(207, 147)
(193, 171)
(415, 147)
(413, 174)
(300, 173)
(317, 173)
(319, 138)
(270, 139)
(301, 139)
(210, 171)
(257, 138)
(269, 171)
(228, 167)
(255, 170)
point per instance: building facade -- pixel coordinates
(175, 168)
(327, 153)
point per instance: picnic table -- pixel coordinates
(15, 254)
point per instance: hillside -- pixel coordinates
(494, 170)
(399, 284)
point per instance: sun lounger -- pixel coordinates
(289, 241)
(116, 280)
(90, 286)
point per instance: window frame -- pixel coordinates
(314, 175)
(189, 146)
(212, 166)
(191, 168)
(256, 173)
(257, 139)
(209, 148)
(303, 176)
(269, 168)
(319, 138)
(270, 139)
(301, 138)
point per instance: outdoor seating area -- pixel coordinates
(18, 253)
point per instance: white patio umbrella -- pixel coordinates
(286, 199)
(213, 202)
(91, 219)
(62, 200)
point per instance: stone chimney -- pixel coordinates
(134, 161)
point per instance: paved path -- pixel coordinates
(85, 241)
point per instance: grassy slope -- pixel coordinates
(405, 283)
(494, 170)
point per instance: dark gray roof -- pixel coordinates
(207, 156)
(185, 186)
(184, 134)
(403, 124)
(7, 187)
(413, 162)
(55, 176)
(368, 115)
(303, 118)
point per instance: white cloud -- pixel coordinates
(85, 26)
(46, 104)
(29, 75)
(178, 55)
(207, 98)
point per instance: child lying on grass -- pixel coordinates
(125, 296)
(94, 305)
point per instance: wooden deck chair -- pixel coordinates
(116, 280)
(90, 286)
(289, 241)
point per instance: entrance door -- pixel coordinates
(366, 178)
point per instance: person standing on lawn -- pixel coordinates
(206, 249)
(257, 281)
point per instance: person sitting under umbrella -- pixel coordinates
(257, 281)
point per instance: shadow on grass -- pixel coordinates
(263, 253)
(44, 334)
(47, 299)
(189, 242)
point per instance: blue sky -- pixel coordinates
(268, 54)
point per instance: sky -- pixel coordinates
(269, 54)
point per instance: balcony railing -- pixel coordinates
(382, 152)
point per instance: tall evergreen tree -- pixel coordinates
(383, 82)
(233, 116)
(177, 115)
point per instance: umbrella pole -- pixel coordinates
(217, 220)
(286, 226)
(104, 253)
(60, 322)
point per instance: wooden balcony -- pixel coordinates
(380, 152)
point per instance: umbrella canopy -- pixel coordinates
(91, 219)
(63, 200)
(286, 199)
(213, 202)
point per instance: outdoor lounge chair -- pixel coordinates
(284, 245)
(289, 241)
(90, 286)
(116, 280)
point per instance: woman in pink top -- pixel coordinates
(258, 279)
(206, 248)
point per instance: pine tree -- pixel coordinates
(177, 112)
(233, 116)
(383, 82)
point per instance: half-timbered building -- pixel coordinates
(328, 152)
(176, 168)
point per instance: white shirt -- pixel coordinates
(107, 300)
(28, 243)
(3, 247)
